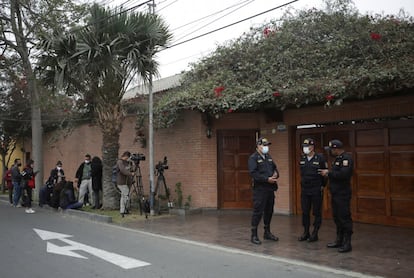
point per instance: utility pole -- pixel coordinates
(151, 7)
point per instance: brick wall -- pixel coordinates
(192, 157)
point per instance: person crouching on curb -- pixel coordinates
(264, 173)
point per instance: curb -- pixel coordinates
(74, 212)
(88, 215)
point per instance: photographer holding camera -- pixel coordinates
(124, 180)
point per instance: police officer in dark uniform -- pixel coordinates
(264, 173)
(340, 186)
(312, 185)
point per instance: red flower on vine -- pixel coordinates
(230, 110)
(330, 97)
(267, 31)
(218, 90)
(375, 36)
(277, 94)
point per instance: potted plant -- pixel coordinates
(180, 207)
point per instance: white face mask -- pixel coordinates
(265, 149)
(306, 150)
(59, 168)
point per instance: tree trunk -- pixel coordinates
(110, 121)
(110, 148)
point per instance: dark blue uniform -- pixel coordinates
(260, 169)
(312, 184)
(340, 186)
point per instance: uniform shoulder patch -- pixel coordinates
(345, 163)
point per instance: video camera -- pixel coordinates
(137, 157)
(162, 165)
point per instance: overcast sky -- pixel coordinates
(183, 18)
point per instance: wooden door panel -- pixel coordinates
(371, 205)
(370, 161)
(402, 185)
(370, 184)
(234, 182)
(402, 207)
(370, 137)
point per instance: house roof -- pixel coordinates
(159, 85)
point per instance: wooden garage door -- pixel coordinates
(234, 182)
(383, 181)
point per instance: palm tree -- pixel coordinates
(102, 58)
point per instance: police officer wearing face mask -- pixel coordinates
(312, 185)
(340, 176)
(264, 173)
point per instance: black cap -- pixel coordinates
(59, 163)
(263, 141)
(334, 144)
(308, 142)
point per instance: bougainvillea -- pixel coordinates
(318, 57)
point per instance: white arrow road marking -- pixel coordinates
(63, 250)
(119, 260)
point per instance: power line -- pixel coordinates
(112, 15)
(207, 24)
(229, 25)
(166, 5)
(207, 16)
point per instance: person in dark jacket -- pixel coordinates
(84, 180)
(57, 189)
(340, 176)
(56, 175)
(264, 173)
(96, 174)
(28, 184)
(67, 198)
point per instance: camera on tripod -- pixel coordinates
(137, 157)
(162, 165)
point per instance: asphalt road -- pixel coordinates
(29, 243)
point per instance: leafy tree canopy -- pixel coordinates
(308, 57)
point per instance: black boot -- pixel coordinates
(338, 242)
(254, 238)
(346, 247)
(268, 235)
(314, 235)
(305, 235)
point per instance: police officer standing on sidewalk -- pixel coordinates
(340, 186)
(264, 173)
(312, 185)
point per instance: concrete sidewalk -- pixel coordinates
(377, 250)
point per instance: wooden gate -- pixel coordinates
(383, 181)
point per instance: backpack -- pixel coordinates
(115, 171)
